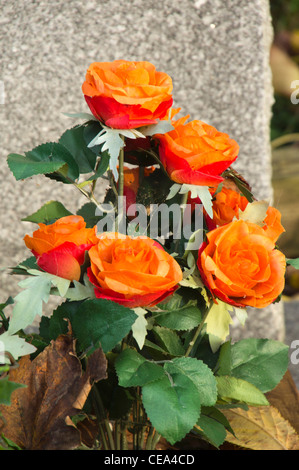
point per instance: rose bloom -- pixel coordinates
(240, 265)
(133, 272)
(196, 153)
(60, 247)
(226, 205)
(124, 94)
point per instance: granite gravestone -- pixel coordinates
(216, 51)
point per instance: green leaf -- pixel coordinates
(73, 140)
(169, 341)
(51, 327)
(101, 322)
(49, 212)
(262, 362)
(224, 364)
(88, 212)
(172, 404)
(45, 159)
(212, 424)
(293, 262)
(9, 445)
(178, 313)
(199, 374)
(22, 268)
(6, 389)
(238, 390)
(134, 370)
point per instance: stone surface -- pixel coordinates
(216, 52)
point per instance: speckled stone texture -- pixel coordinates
(216, 52)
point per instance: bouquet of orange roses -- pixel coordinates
(149, 277)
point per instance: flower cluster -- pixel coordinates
(238, 261)
(156, 302)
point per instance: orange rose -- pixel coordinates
(273, 227)
(196, 153)
(240, 265)
(60, 247)
(133, 272)
(226, 206)
(124, 94)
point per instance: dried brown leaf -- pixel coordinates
(39, 415)
(285, 397)
(261, 428)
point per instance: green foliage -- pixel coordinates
(232, 390)
(213, 426)
(173, 402)
(293, 262)
(6, 389)
(134, 370)
(262, 362)
(180, 312)
(45, 159)
(95, 323)
(48, 213)
(36, 291)
(74, 141)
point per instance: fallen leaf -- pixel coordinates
(261, 428)
(285, 397)
(39, 417)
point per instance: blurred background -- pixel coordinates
(285, 128)
(285, 150)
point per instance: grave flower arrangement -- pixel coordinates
(149, 277)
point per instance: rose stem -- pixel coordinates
(121, 185)
(198, 330)
(183, 204)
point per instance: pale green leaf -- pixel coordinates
(85, 116)
(29, 302)
(162, 127)
(255, 212)
(80, 291)
(111, 140)
(139, 327)
(173, 191)
(201, 192)
(15, 345)
(217, 322)
(241, 314)
(232, 389)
